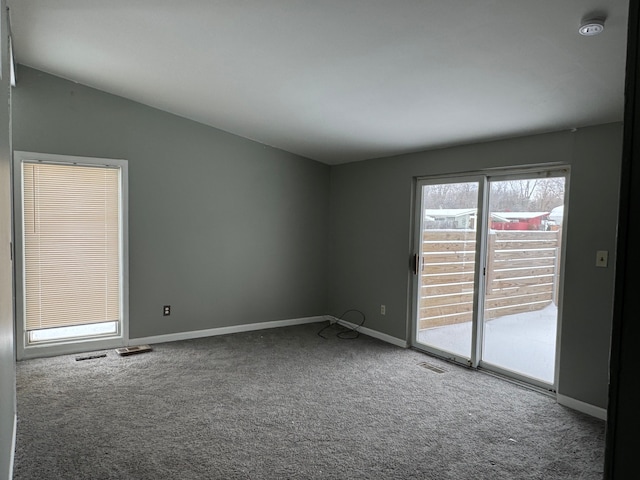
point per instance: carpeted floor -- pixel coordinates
(285, 403)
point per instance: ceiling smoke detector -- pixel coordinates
(591, 27)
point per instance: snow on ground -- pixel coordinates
(524, 343)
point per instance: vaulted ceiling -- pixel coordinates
(341, 80)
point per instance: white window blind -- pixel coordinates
(71, 232)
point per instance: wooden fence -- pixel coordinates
(521, 274)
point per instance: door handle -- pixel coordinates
(416, 263)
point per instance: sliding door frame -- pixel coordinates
(484, 177)
(544, 172)
(478, 292)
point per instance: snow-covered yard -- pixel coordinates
(524, 343)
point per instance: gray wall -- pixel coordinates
(225, 230)
(7, 363)
(370, 238)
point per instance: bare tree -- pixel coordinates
(451, 195)
(528, 195)
(550, 194)
(540, 195)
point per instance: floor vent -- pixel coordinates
(431, 367)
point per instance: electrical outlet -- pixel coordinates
(166, 310)
(383, 309)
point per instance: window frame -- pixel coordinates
(24, 349)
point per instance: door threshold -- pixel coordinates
(549, 392)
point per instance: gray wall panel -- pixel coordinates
(225, 230)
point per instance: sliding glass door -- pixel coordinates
(487, 271)
(523, 251)
(446, 267)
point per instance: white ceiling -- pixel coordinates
(341, 80)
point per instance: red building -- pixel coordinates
(519, 220)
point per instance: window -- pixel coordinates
(72, 253)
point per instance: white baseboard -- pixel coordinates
(173, 337)
(211, 332)
(373, 333)
(13, 444)
(583, 407)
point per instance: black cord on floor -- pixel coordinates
(347, 333)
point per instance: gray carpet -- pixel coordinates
(285, 403)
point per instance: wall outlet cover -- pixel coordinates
(602, 258)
